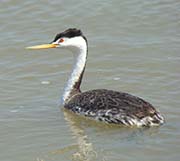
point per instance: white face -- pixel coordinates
(71, 43)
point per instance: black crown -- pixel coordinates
(72, 32)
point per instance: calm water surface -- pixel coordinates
(134, 46)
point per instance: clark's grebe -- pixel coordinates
(101, 104)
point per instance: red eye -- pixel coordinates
(61, 40)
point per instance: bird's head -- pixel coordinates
(71, 39)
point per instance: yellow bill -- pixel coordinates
(44, 46)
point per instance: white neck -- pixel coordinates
(81, 51)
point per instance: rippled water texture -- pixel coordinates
(134, 46)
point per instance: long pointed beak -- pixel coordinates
(44, 46)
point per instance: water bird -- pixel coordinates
(100, 104)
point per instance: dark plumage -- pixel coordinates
(114, 107)
(69, 33)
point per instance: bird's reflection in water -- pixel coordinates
(106, 133)
(85, 148)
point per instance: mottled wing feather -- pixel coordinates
(110, 106)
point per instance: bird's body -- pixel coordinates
(114, 107)
(101, 104)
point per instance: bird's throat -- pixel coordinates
(74, 81)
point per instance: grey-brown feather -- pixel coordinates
(114, 107)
